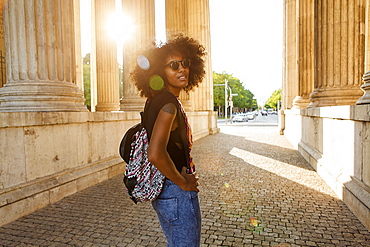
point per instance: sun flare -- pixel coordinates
(120, 27)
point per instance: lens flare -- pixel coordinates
(254, 221)
(143, 62)
(156, 82)
(256, 224)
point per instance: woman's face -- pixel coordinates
(177, 79)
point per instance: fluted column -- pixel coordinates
(77, 37)
(290, 73)
(199, 29)
(2, 48)
(107, 79)
(143, 16)
(365, 99)
(340, 52)
(305, 48)
(177, 23)
(40, 57)
(176, 17)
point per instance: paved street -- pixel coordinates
(259, 119)
(256, 190)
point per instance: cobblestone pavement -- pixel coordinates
(256, 190)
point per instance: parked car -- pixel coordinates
(251, 115)
(241, 118)
(264, 113)
(271, 111)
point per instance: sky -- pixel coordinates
(246, 41)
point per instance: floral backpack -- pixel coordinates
(143, 180)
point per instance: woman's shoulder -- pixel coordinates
(163, 98)
(155, 104)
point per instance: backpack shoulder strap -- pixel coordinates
(125, 146)
(184, 138)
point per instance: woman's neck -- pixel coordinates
(174, 91)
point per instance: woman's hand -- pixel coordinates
(191, 181)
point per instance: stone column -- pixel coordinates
(290, 74)
(340, 52)
(305, 48)
(176, 17)
(177, 23)
(143, 16)
(107, 79)
(2, 48)
(40, 57)
(78, 55)
(199, 29)
(365, 99)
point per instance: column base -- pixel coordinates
(188, 106)
(186, 102)
(133, 103)
(365, 99)
(107, 107)
(300, 102)
(41, 96)
(334, 97)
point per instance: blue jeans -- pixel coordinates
(179, 215)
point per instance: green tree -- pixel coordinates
(86, 76)
(86, 59)
(245, 98)
(274, 99)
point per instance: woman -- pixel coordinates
(160, 76)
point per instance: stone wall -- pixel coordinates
(335, 141)
(46, 156)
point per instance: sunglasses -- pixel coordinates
(176, 64)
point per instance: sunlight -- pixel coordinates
(160, 21)
(120, 27)
(279, 168)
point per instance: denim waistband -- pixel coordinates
(168, 182)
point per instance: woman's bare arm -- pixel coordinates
(157, 151)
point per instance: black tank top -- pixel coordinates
(151, 110)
